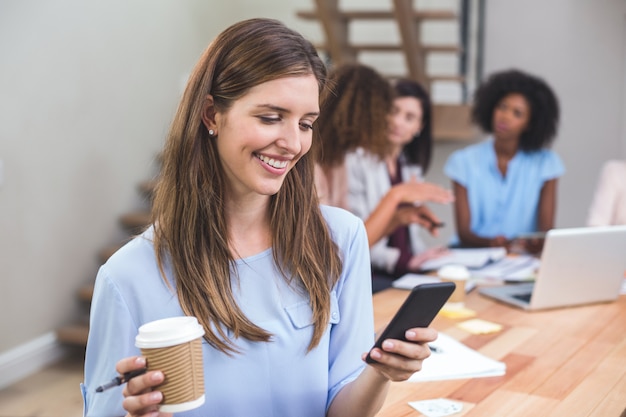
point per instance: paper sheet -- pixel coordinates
(438, 407)
(479, 326)
(410, 280)
(457, 312)
(456, 361)
(471, 258)
(511, 268)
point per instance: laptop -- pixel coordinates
(578, 266)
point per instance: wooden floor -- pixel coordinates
(52, 392)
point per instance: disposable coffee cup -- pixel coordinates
(174, 346)
(459, 275)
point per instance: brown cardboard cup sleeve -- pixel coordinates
(174, 346)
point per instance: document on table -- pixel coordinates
(454, 360)
(511, 268)
(470, 257)
(410, 280)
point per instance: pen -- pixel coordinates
(119, 380)
(435, 349)
(432, 222)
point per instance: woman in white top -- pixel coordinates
(609, 203)
(389, 192)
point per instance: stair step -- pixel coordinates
(85, 293)
(73, 334)
(382, 15)
(382, 47)
(106, 253)
(137, 221)
(453, 122)
(454, 78)
(147, 188)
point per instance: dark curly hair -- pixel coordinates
(544, 106)
(419, 150)
(353, 113)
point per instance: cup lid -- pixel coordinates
(168, 332)
(454, 272)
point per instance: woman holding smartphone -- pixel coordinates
(240, 241)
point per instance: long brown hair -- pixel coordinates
(189, 209)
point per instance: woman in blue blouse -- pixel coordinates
(239, 241)
(505, 187)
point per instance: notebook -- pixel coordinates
(469, 257)
(578, 266)
(410, 280)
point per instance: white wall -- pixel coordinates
(88, 90)
(87, 93)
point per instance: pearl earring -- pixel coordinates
(211, 132)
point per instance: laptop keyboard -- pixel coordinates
(523, 296)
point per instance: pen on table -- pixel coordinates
(435, 349)
(119, 380)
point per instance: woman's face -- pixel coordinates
(405, 120)
(265, 132)
(511, 117)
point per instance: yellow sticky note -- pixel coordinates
(457, 312)
(478, 326)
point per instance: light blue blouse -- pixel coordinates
(500, 205)
(277, 378)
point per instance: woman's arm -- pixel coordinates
(462, 217)
(397, 361)
(545, 216)
(547, 206)
(386, 217)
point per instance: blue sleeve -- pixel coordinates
(354, 334)
(456, 167)
(552, 166)
(111, 337)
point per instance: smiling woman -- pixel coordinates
(239, 241)
(260, 143)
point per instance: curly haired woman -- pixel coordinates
(506, 186)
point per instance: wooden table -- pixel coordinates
(565, 362)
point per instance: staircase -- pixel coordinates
(451, 121)
(132, 223)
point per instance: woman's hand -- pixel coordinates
(534, 246)
(429, 220)
(398, 360)
(416, 261)
(140, 399)
(499, 241)
(415, 192)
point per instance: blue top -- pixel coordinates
(276, 378)
(500, 205)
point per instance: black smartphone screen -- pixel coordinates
(418, 310)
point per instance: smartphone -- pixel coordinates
(418, 310)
